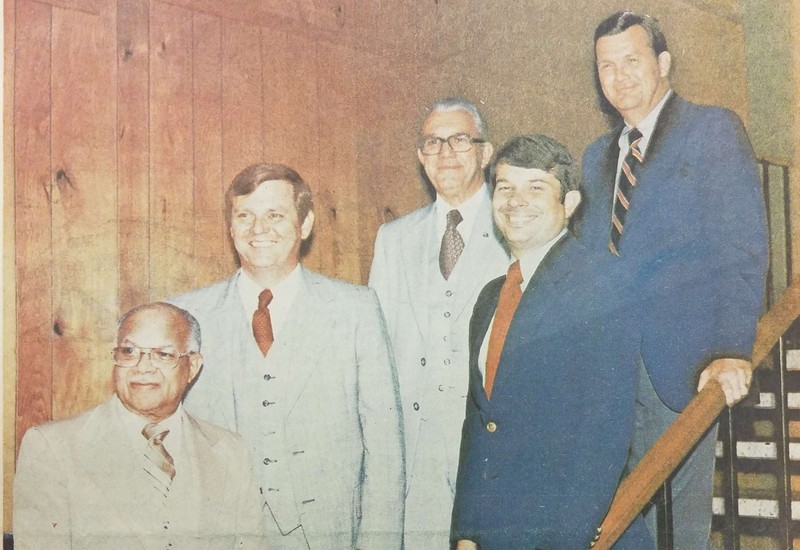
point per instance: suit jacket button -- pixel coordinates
(491, 427)
(416, 406)
(422, 361)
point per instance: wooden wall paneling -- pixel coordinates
(171, 154)
(33, 223)
(83, 192)
(242, 99)
(214, 258)
(388, 178)
(340, 123)
(9, 284)
(133, 121)
(291, 113)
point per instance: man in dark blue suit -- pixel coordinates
(673, 192)
(550, 411)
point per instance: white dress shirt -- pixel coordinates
(283, 295)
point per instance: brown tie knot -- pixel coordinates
(152, 431)
(264, 298)
(514, 274)
(454, 218)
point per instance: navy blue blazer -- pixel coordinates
(562, 404)
(694, 250)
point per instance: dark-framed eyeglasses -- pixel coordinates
(160, 358)
(459, 143)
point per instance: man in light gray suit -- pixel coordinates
(137, 472)
(428, 269)
(300, 365)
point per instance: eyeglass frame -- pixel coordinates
(442, 141)
(148, 352)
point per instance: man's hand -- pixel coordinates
(733, 376)
(466, 545)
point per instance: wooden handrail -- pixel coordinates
(675, 443)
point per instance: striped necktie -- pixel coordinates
(159, 463)
(627, 185)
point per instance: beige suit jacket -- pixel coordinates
(79, 485)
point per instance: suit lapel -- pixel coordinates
(543, 289)
(485, 309)
(212, 473)
(297, 351)
(115, 467)
(417, 261)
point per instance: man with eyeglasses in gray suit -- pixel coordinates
(428, 269)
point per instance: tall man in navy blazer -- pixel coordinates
(319, 405)
(427, 295)
(692, 249)
(545, 439)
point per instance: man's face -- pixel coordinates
(633, 79)
(527, 207)
(265, 229)
(148, 391)
(455, 176)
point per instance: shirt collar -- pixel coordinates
(249, 289)
(530, 261)
(646, 126)
(468, 209)
(133, 424)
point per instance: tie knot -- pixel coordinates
(152, 431)
(454, 218)
(514, 273)
(633, 137)
(264, 298)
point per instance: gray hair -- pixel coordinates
(450, 104)
(194, 327)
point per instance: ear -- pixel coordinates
(486, 154)
(664, 64)
(421, 157)
(571, 201)
(308, 223)
(195, 364)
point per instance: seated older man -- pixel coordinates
(137, 471)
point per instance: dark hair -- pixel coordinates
(618, 23)
(251, 177)
(450, 104)
(194, 340)
(541, 152)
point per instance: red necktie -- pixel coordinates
(625, 189)
(262, 323)
(510, 295)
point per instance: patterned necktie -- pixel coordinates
(262, 323)
(452, 244)
(627, 184)
(510, 295)
(158, 464)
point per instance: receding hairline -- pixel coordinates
(170, 313)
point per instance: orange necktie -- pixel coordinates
(510, 296)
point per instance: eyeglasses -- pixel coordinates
(129, 356)
(459, 143)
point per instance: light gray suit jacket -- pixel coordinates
(341, 432)
(80, 484)
(406, 256)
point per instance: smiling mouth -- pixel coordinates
(261, 244)
(520, 219)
